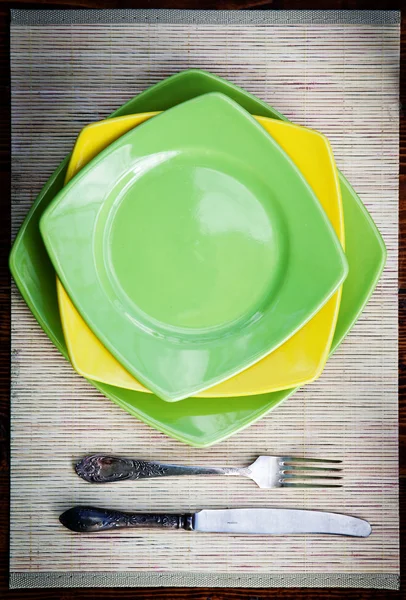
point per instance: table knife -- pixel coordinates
(266, 521)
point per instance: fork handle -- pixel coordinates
(99, 468)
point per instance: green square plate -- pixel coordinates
(193, 246)
(194, 421)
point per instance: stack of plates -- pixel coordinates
(202, 261)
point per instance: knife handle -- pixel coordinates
(87, 519)
(98, 468)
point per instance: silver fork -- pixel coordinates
(266, 471)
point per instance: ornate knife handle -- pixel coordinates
(87, 519)
(98, 468)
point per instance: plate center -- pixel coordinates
(193, 246)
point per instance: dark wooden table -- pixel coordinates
(161, 593)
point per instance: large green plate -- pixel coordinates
(198, 422)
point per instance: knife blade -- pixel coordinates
(257, 521)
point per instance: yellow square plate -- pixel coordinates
(299, 360)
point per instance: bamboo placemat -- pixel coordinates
(334, 71)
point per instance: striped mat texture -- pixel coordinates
(339, 76)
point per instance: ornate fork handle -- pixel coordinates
(98, 468)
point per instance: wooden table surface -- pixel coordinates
(161, 593)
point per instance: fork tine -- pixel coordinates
(311, 460)
(294, 468)
(309, 485)
(307, 477)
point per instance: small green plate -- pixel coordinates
(199, 422)
(193, 246)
